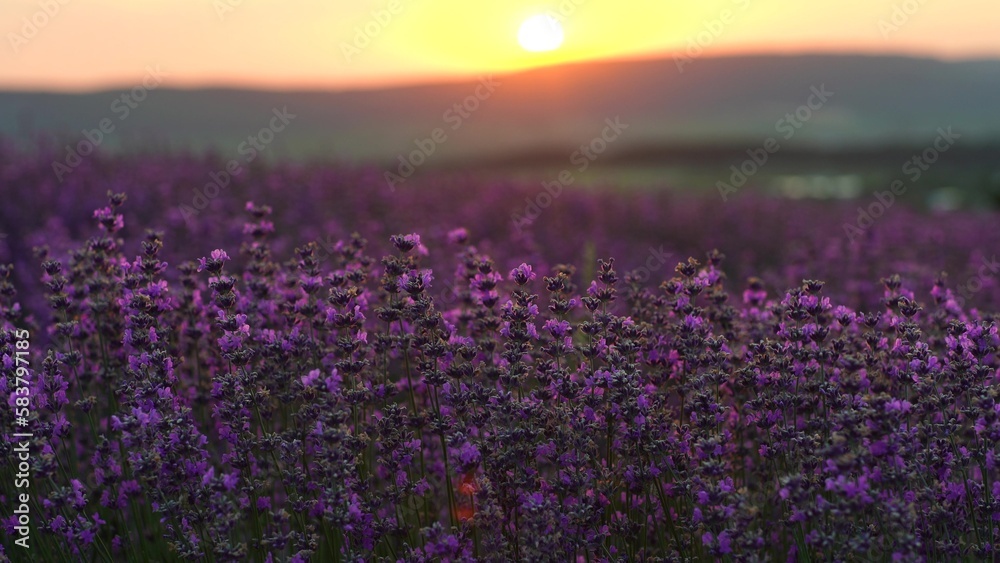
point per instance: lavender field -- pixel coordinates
(306, 365)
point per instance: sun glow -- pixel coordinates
(308, 44)
(540, 33)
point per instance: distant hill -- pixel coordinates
(876, 101)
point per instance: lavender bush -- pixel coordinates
(228, 388)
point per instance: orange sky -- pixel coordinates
(90, 44)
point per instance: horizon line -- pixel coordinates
(406, 82)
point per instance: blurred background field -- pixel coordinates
(686, 125)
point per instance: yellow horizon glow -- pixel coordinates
(341, 44)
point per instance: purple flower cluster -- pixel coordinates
(452, 398)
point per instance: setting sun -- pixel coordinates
(540, 33)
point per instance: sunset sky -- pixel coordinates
(92, 44)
